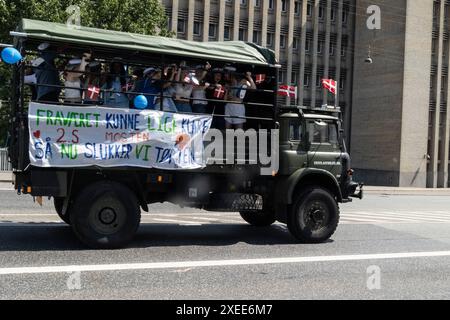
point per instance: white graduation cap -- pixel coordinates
(43, 46)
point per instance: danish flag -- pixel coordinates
(287, 91)
(93, 92)
(330, 85)
(260, 78)
(219, 92)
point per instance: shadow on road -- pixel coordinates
(47, 237)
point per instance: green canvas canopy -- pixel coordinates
(229, 51)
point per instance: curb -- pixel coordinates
(406, 191)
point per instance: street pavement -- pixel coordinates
(386, 247)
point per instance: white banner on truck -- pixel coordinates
(65, 136)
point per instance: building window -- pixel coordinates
(307, 45)
(307, 80)
(282, 41)
(333, 14)
(321, 12)
(332, 47)
(197, 28)
(295, 43)
(319, 81)
(342, 84)
(181, 26)
(257, 3)
(343, 51)
(212, 31)
(227, 33)
(294, 78)
(297, 8)
(344, 17)
(242, 34)
(270, 39)
(320, 47)
(309, 10)
(280, 76)
(271, 5)
(243, 3)
(256, 37)
(283, 5)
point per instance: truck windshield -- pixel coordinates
(321, 131)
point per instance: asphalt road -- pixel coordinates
(387, 247)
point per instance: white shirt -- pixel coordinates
(199, 94)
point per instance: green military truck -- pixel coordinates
(103, 201)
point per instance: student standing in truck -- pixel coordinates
(235, 109)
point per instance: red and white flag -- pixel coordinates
(93, 92)
(260, 78)
(287, 91)
(219, 93)
(330, 85)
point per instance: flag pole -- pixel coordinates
(336, 96)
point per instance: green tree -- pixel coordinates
(136, 16)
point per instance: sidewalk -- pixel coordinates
(5, 176)
(406, 191)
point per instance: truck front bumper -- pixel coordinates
(356, 190)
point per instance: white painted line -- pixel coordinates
(190, 223)
(27, 214)
(33, 224)
(218, 263)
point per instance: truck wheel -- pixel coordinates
(59, 203)
(105, 215)
(314, 216)
(259, 218)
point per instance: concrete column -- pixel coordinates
(326, 54)
(237, 16)
(251, 21)
(304, 19)
(174, 25)
(277, 28)
(314, 50)
(290, 42)
(265, 9)
(339, 40)
(221, 28)
(347, 94)
(190, 20)
(446, 139)
(436, 120)
(206, 15)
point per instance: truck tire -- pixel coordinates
(59, 203)
(259, 218)
(314, 217)
(105, 215)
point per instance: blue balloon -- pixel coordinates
(11, 55)
(140, 102)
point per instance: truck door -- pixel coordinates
(325, 151)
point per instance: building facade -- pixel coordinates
(400, 117)
(395, 109)
(312, 39)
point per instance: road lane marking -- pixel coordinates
(218, 263)
(182, 222)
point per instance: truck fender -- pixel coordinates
(286, 187)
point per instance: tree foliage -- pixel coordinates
(137, 16)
